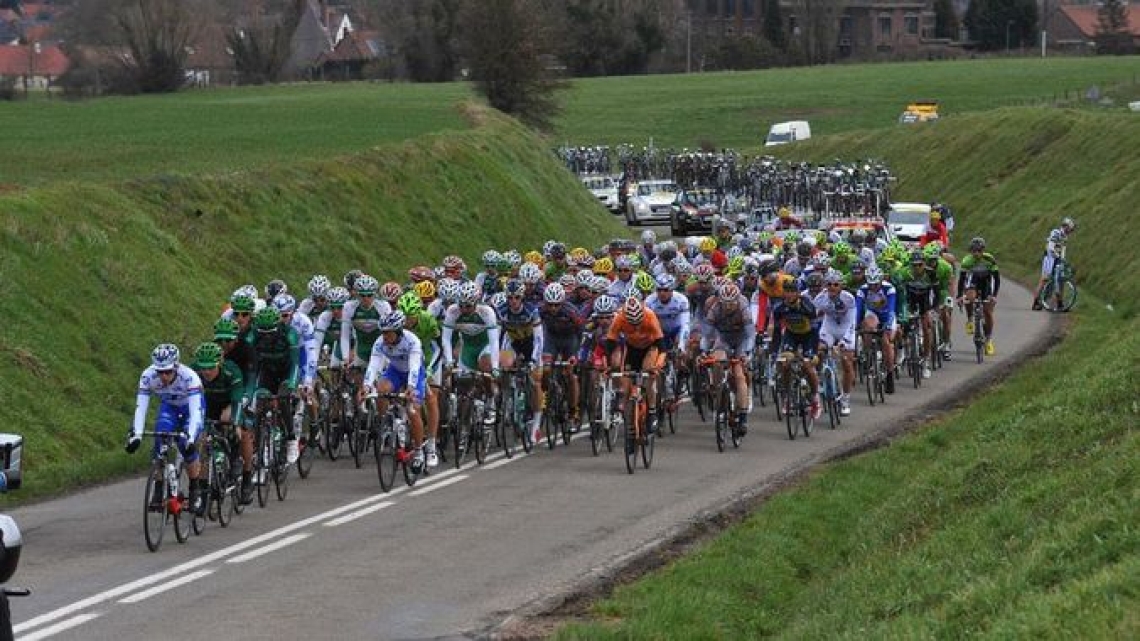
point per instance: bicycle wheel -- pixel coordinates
(263, 461)
(936, 337)
(720, 418)
(481, 436)
(461, 436)
(697, 389)
(806, 419)
(880, 377)
(792, 404)
(549, 425)
(760, 378)
(872, 374)
(507, 432)
(914, 358)
(629, 421)
(183, 517)
(334, 429)
(155, 515)
(307, 444)
(647, 440)
(384, 449)
(597, 416)
(281, 467)
(360, 433)
(222, 490)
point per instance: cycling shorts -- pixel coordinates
(830, 334)
(469, 355)
(1047, 264)
(561, 348)
(806, 343)
(635, 358)
(399, 381)
(174, 418)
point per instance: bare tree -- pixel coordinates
(158, 34)
(260, 38)
(817, 22)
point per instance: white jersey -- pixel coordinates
(320, 328)
(674, 316)
(407, 356)
(184, 391)
(839, 320)
(620, 289)
(306, 332)
(369, 325)
(307, 306)
(438, 309)
(477, 326)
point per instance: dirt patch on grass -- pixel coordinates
(543, 617)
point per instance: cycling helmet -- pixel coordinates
(410, 304)
(648, 237)
(491, 258)
(874, 275)
(530, 273)
(704, 273)
(644, 282)
(164, 357)
(769, 267)
(736, 264)
(587, 261)
(821, 261)
(667, 254)
(319, 286)
(448, 290)
(421, 273)
(350, 278)
(425, 289)
(393, 322)
(548, 246)
(791, 238)
(599, 285)
(568, 281)
(366, 285)
(285, 303)
(554, 293)
(728, 292)
(623, 262)
(534, 258)
(241, 303)
(803, 249)
(498, 299)
(734, 252)
(751, 266)
(579, 253)
(605, 305)
(275, 287)
(707, 244)
(916, 258)
(207, 356)
(858, 267)
(682, 266)
(584, 278)
(338, 296)
(815, 280)
(858, 236)
(513, 258)
(832, 277)
(977, 244)
(226, 329)
(633, 310)
(692, 242)
(1069, 222)
(665, 281)
(842, 248)
(267, 319)
(468, 293)
(515, 287)
(557, 250)
(391, 291)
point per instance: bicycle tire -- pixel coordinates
(334, 435)
(548, 426)
(223, 492)
(154, 517)
(648, 439)
(760, 380)
(720, 419)
(869, 362)
(507, 433)
(596, 417)
(791, 395)
(629, 421)
(308, 446)
(697, 390)
(264, 458)
(464, 418)
(360, 433)
(1068, 296)
(280, 469)
(183, 517)
(384, 450)
(480, 435)
(806, 419)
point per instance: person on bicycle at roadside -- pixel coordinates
(837, 307)
(1054, 248)
(792, 317)
(561, 336)
(633, 344)
(920, 292)
(318, 301)
(396, 365)
(478, 329)
(426, 328)
(935, 231)
(522, 343)
(875, 311)
(785, 220)
(360, 325)
(978, 283)
(277, 357)
(180, 409)
(223, 389)
(943, 271)
(732, 334)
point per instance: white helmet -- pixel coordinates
(164, 357)
(648, 237)
(468, 293)
(554, 293)
(285, 303)
(319, 285)
(530, 273)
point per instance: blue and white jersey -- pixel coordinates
(1055, 244)
(306, 331)
(183, 392)
(881, 303)
(406, 357)
(837, 311)
(620, 289)
(674, 316)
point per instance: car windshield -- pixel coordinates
(655, 188)
(701, 198)
(784, 137)
(598, 183)
(907, 217)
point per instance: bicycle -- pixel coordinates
(391, 444)
(670, 386)
(336, 395)
(724, 401)
(467, 416)
(915, 357)
(514, 424)
(556, 417)
(1059, 293)
(760, 366)
(222, 479)
(307, 432)
(635, 418)
(829, 387)
(795, 394)
(166, 482)
(874, 369)
(602, 413)
(270, 461)
(977, 321)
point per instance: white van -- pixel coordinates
(782, 133)
(909, 221)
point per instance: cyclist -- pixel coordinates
(648, 249)
(733, 334)
(426, 328)
(920, 290)
(532, 277)
(792, 329)
(561, 335)
(478, 330)
(1054, 249)
(837, 307)
(935, 230)
(317, 302)
(180, 409)
(360, 321)
(980, 280)
(488, 280)
(796, 264)
(621, 287)
(522, 342)
(326, 331)
(943, 272)
(555, 261)
(224, 391)
(277, 356)
(639, 334)
(397, 359)
(231, 333)
(875, 309)
(786, 220)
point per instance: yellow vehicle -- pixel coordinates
(920, 111)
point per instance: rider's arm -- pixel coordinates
(142, 402)
(448, 329)
(536, 348)
(346, 331)
(237, 392)
(294, 358)
(892, 298)
(416, 359)
(197, 419)
(685, 319)
(996, 275)
(748, 343)
(376, 363)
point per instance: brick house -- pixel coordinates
(1074, 27)
(33, 67)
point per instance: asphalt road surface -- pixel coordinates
(453, 557)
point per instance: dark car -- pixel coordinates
(693, 210)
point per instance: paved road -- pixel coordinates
(455, 556)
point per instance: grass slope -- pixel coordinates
(95, 275)
(1013, 518)
(735, 109)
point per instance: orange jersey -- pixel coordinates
(636, 336)
(776, 290)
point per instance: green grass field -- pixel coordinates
(1013, 518)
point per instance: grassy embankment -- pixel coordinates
(96, 274)
(1015, 517)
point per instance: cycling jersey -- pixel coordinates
(881, 303)
(642, 336)
(488, 284)
(795, 266)
(674, 316)
(180, 401)
(839, 319)
(310, 308)
(733, 330)
(226, 390)
(326, 332)
(792, 326)
(361, 324)
(980, 273)
(308, 353)
(276, 359)
(405, 357)
(620, 289)
(478, 329)
(522, 330)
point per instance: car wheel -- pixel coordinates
(630, 219)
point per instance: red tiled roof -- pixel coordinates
(355, 46)
(17, 60)
(37, 33)
(34, 9)
(1086, 19)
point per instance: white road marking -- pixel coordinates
(276, 545)
(352, 516)
(435, 486)
(491, 466)
(170, 585)
(66, 624)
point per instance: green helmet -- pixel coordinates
(410, 304)
(932, 250)
(736, 264)
(266, 320)
(207, 356)
(226, 329)
(644, 282)
(241, 303)
(842, 248)
(791, 238)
